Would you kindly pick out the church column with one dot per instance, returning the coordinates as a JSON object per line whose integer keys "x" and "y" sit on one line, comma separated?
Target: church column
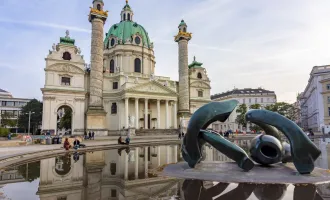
{"x": 126, "y": 166}
{"x": 126, "y": 112}
{"x": 175, "y": 154}
{"x": 137, "y": 163}
{"x": 167, "y": 154}
{"x": 136, "y": 113}
{"x": 121, "y": 63}
{"x": 146, "y": 161}
{"x": 175, "y": 115}
{"x": 166, "y": 115}
{"x": 158, "y": 155}
{"x": 158, "y": 113}
{"x": 145, "y": 113}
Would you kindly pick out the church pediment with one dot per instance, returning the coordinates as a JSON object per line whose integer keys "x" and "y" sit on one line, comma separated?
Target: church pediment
{"x": 200, "y": 84}
{"x": 152, "y": 87}
{"x": 65, "y": 68}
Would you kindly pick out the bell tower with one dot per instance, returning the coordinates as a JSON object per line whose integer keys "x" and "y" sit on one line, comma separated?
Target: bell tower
{"x": 96, "y": 115}
{"x": 182, "y": 38}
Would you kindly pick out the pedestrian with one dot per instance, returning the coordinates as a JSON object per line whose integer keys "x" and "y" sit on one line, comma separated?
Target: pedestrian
{"x": 128, "y": 140}
{"x": 66, "y": 144}
{"x": 93, "y": 135}
{"x": 85, "y": 135}
{"x": 89, "y": 135}
{"x": 76, "y": 144}
{"x": 179, "y": 137}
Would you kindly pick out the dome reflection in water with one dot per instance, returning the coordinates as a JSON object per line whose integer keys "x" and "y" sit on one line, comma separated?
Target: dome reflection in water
{"x": 133, "y": 173}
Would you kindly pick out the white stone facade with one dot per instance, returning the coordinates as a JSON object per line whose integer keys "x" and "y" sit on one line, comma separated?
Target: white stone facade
{"x": 246, "y": 96}
{"x": 132, "y": 96}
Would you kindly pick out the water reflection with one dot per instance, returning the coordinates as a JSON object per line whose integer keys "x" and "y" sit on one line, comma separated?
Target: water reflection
{"x": 131, "y": 173}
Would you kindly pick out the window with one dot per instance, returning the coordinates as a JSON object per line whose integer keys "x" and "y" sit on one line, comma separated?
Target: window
{"x": 128, "y": 16}
{"x": 9, "y": 103}
{"x": 184, "y": 29}
{"x": 66, "y": 56}
{"x": 137, "y": 65}
{"x": 98, "y": 7}
{"x": 243, "y": 101}
{"x": 115, "y": 85}
{"x": 65, "y": 81}
{"x": 113, "y": 169}
{"x": 112, "y": 66}
{"x": 328, "y": 100}
{"x": 249, "y": 100}
{"x": 124, "y": 18}
{"x": 262, "y": 100}
{"x": 200, "y": 93}
{"x": 329, "y": 111}
{"x": 112, "y": 42}
{"x": 256, "y": 100}
{"x": 113, "y": 193}
{"x": 137, "y": 40}
{"x": 328, "y": 86}
{"x": 114, "y": 108}
{"x": 199, "y": 75}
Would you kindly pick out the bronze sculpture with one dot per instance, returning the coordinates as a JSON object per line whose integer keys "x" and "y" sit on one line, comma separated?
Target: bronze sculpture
{"x": 266, "y": 149}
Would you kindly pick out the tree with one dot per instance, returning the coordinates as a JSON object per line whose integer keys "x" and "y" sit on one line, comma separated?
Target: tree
{"x": 285, "y": 109}
{"x": 34, "y": 106}
{"x": 30, "y": 171}
{"x": 7, "y": 121}
{"x": 255, "y": 106}
{"x": 66, "y": 120}
{"x": 240, "y": 119}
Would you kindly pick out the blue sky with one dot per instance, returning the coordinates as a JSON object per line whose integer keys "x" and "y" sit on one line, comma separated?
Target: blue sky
{"x": 243, "y": 44}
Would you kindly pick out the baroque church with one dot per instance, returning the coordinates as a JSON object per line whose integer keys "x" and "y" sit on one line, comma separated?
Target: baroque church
{"x": 119, "y": 90}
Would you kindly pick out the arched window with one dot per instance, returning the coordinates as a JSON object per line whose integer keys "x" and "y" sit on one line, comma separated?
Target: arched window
{"x": 137, "y": 40}
{"x": 128, "y": 16}
{"x": 113, "y": 167}
{"x": 199, "y": 75}
{"x": 66, "y": 56}
{"x": 184, "y": 29}
{"x": 112, "y": 66}
{"x": 98, "y": 7}
{"x": 112, "y": 42}
{"x": 137, "y": 65}
{"x": 124, "y": 18}
{"x": 114, "y": 108}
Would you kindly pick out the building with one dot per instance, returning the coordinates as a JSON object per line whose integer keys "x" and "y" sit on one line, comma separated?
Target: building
{"x": 119, "y": 89}
{"x": 10, "y": 106}
{"x": 315, "y": 100}
{"x": 246, "y": 96}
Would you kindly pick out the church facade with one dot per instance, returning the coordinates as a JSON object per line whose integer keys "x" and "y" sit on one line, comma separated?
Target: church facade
{"x": 119, "y": 89}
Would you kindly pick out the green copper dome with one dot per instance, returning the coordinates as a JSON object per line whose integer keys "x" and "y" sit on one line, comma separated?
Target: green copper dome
{"x": 126, "y": 30}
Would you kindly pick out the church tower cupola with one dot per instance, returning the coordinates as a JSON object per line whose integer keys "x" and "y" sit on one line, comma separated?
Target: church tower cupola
{"x": 183, "y": 26}
{"x": 127, "y": 13}
{"x": 98, "y": 5}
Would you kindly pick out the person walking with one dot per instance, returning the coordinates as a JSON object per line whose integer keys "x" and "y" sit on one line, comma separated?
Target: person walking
{"x": 89, "y": 135}
{"x": 93, "y": 135}
{"x": 85, "y": 135}
{"x": 128, "y": 140}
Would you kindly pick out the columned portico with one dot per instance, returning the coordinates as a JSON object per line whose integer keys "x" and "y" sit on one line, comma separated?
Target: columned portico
{"x": 158, "y": 113}
{"x": 137, "y": 113}
{"x": 146, "y": 113}
{"x": 166, "y": 115}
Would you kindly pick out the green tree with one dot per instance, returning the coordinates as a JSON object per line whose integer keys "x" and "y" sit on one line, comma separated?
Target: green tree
{"x": 66, "y": 120}
{"x": 240, "y": 119}
{"x": 254, "y": 126}
{"x": 285, "y": 109}
{"x": 7, "y": 120}
{"x": 30, "y": 171}
{"x": 34, "y": 106}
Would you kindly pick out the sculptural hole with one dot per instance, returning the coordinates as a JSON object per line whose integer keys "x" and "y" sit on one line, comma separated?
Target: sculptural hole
{"x": 269, "y": 151}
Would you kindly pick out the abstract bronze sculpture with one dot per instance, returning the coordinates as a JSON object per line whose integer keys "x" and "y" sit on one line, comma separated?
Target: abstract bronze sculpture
{"x": 265, "y": 149}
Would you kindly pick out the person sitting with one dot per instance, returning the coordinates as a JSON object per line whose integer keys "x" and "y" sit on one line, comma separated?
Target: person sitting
{"x": 120, "y": 140}
{"x": 66, "y": 144}
{"x": 76, "y": 144}
{"x": 128, "y": 140}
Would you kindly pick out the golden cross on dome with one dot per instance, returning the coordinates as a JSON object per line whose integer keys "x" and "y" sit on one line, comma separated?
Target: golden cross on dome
{"x": 126, "y": 1}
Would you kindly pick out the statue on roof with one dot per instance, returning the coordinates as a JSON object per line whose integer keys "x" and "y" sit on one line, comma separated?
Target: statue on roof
{"x": 67, "y": 34}
{"x": 54, "y": 47}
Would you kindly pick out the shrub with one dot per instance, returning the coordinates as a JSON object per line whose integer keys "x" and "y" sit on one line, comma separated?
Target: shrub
{"x": 4, "y": 132}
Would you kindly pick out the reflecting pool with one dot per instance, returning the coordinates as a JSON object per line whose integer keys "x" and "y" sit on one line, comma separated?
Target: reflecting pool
{"x": 134, "y": 173}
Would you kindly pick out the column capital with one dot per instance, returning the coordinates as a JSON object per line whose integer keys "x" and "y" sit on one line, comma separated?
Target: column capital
{"x": 136, "y": 99}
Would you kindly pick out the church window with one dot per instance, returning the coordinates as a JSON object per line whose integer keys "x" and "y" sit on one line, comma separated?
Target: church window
{"x": 184, "y": 29}
{"x": 137, "y": 65}
{"x": 112, "y": 42}
{"x": 113, "y": 193}
{"x": 114, "y": 108}
{"x": 66, "y": 56}
{"x": 328, "y": 86}
{"x": 199, "y": 75}
{"x": 124, "y": 17}
{"x": 98, "y": 7}
{"x": 128, "y": 16}
{"x": 328, "y": 100}
{"x": 113, "y": 169}
{"x": 137, "y": 40}
{"x": 200, "y": 93}
{"x": 112, "y": 66}
{"x": 115, "y": 85}
{"x": 65, "y": 81}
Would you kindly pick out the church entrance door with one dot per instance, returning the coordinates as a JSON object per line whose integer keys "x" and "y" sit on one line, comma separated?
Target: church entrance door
{"x": 149, "y": 121}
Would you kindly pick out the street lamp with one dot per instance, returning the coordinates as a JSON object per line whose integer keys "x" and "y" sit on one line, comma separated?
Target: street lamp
{"x": 29, "y": 120}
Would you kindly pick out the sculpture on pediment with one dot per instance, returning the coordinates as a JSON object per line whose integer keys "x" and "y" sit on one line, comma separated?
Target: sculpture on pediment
{"x": 79, "y": 51}
{"x": 131, "y": 120}
{"x": 166, "y": 83}
{"x": 152, "y": 77}
{"x": 136, "y": 80}
{"x": 126, "y": 79}
{"x": 54, "y": 47}
{"x": 117, "y": 69}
